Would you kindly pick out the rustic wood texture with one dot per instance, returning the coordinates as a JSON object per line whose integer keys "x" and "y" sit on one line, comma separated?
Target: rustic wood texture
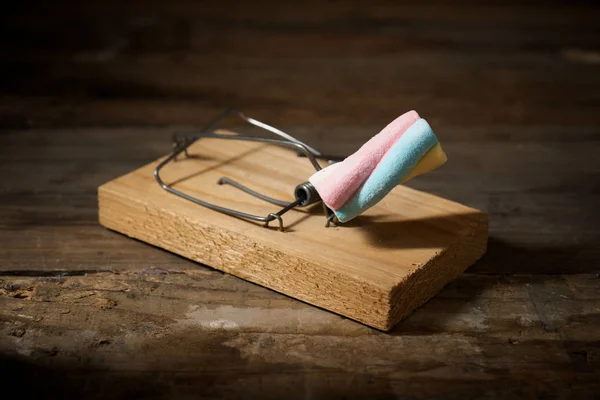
{"x": 375, "y": 269}
{"x": 92, "y": 90}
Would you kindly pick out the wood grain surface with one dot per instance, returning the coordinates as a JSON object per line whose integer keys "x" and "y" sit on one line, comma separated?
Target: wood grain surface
{"x": 92, "y": 90}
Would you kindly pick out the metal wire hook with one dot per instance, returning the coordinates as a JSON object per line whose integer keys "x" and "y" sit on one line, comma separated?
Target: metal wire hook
{"x": 305, "y": 193}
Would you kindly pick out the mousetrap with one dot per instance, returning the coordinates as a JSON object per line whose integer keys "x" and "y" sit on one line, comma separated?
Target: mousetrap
{"x": 242, "y": 205}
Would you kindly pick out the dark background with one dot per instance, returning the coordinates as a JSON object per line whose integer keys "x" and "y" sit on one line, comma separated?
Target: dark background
{"x": 90, "y": 90}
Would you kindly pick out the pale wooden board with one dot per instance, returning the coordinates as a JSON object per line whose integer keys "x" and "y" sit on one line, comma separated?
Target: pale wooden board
{"x": 376, "y": 269}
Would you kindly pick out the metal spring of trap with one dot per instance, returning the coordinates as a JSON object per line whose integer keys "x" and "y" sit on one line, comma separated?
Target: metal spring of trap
{"x": 305, "y": 193}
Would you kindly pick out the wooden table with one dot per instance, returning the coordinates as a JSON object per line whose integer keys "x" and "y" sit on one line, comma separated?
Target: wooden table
{"x": 91, "y": 91}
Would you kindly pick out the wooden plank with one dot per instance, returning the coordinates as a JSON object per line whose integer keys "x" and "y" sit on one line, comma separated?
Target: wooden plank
{"x": 113, "y": 72}
{"x": 376, "y": 269}
{"x": 480, "y": 334}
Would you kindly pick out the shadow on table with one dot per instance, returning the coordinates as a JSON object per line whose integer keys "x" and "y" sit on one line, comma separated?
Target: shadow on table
{"x": 461, "y": 304}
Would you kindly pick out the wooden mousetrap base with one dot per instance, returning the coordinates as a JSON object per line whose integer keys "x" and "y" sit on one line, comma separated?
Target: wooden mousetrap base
{"x": 375, "y": 269}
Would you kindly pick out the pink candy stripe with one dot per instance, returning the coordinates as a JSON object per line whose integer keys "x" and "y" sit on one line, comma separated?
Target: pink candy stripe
{"x": 338, "y": 182}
